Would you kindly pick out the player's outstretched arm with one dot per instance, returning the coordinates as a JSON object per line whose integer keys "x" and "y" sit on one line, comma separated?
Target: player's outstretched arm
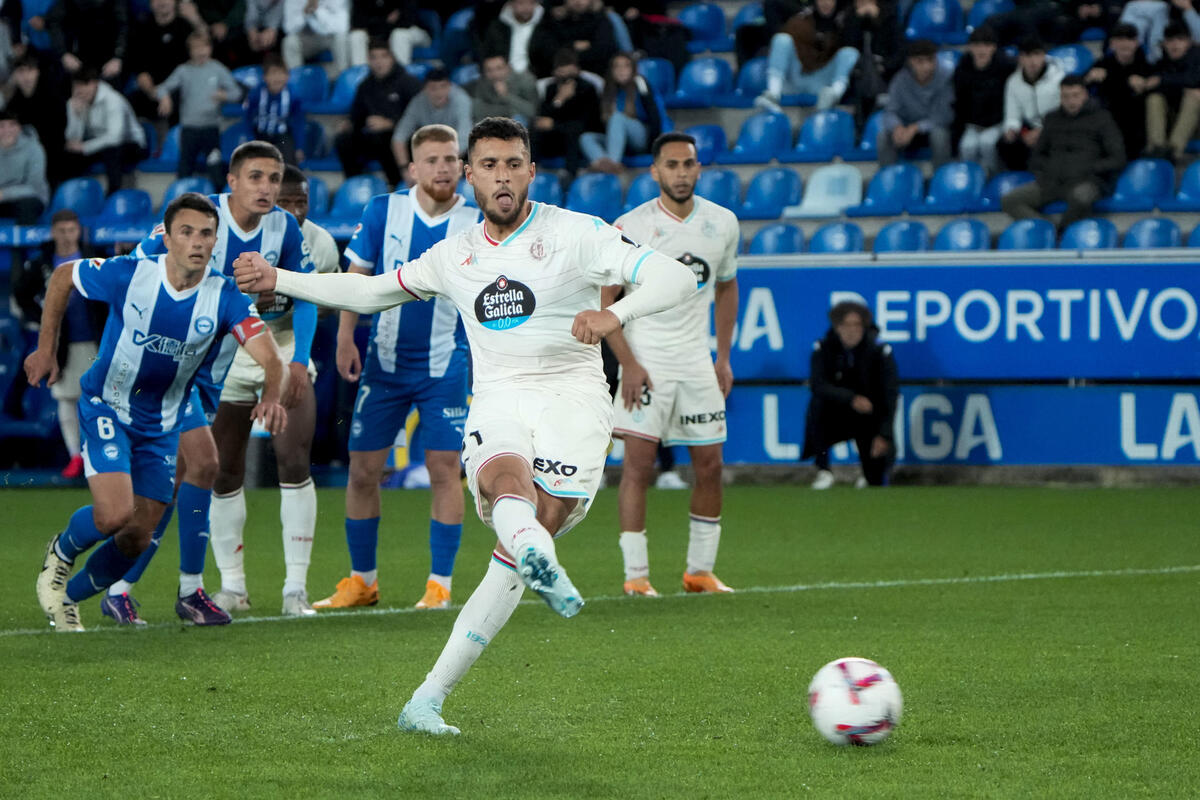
{"x": 366, "y": 294}
{"x": 43, "y": 362}
{"x": 265, "y": 352}
{"x": 662, "y": 283}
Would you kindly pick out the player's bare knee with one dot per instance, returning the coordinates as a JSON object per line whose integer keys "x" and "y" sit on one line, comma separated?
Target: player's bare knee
{"x": 111, "y": 518}
{"x": 293, "y": 471}
{"x": 228, "y": 481}
{"x": 707, "y": 469}
{"x": 132, "y": 541}
{"x": 363, "y": 478}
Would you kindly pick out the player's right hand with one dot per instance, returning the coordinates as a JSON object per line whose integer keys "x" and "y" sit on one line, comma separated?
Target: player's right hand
{"x": 273, "y": 417}
{"x": 41, "y": 363}
{"x": 349, "y": 362}
{"x": 253, "y": 273}
{"x": 633, "y": 378}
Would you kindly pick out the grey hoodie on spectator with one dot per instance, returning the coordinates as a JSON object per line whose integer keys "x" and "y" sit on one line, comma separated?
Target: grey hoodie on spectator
{"x": 930, "y": 106}
{"x": 197, "y": 85}
{"x": 23, "y": 169}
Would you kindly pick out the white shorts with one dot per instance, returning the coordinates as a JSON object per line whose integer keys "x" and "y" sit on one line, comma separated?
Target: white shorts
{"x": 563, "y": 437}
{"x": 80, "y": 356}
{"x": 690, "y": 412}
{"x": 245, "y": 380}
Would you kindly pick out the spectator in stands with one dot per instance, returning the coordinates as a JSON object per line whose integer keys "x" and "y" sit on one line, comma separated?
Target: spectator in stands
{"x": 1030, "y": 93}
{"x": 979, "y": 99}
{"x": 91, "y": 33}
{"x": 202, "y": 84}
{"x": 1174, "y": 94}
{"x": 101, "y": 129}
{"x": 1120, "y": 79}
{"x": 263, "y": 24}
{"x": 157, "y": 53}
{"x": 631, "y": 118}
{"x": 855, "y": 389}
{"x": 574, "y": 24}
{"x": 501, "y": 92}
{"x": 1083, "y": 14}
{"x": 655, "y": 34}
{"x": 440, "y": 102}
{"x": 226, "y": 24}
{"x": 873, "y": 29}
{"x": 24, "y": 191}
{"x": 919, "y": 109}
{"x": 1076, "y": 158}
{"x": 511, "y": 32}
{"x": 1151, "y": 18}
{"x": 313, "y": 26}
{"x": 274, "y": 114}
{"x": 393, "y": 20}
{"x": 808, "y": 56}
{"x": 379, "y": 102}
{"x": 36, "y": 95}
{"x": 570, "y": 108}
{"x": 83, "y": 323}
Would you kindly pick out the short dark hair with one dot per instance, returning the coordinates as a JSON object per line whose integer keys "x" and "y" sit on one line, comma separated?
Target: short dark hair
{"x": 273, "y": 61}
{"x": 984, "y": 34}
{"x": 293, "y": 176}
{"x": 497, "y": 128}
{"x": 838, "y": 313}
{"x": 1072, "y": 80}
{"x": 1123, "y": 30}
{"x": 1177, "y": 30}
{"x": 85, "y": 75}
{"x": 63, "y": 215}
{"x": 437, "y": 75}
{"x": 192, "y": 201}
{"x": 377, "y": 43}
{"x": 29, "y": 61}
{"x": 253, "y": 149}
{"x": 1031, "y": 44}
{"x": 664, "y": 139}
{"x": 565, "y": 57}
{"x": 8, "y": 116}
{"x": 919, "y": 48}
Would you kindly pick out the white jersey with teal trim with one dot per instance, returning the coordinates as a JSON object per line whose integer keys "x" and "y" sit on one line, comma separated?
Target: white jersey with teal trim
{"x": 518, "y": 298}
{"x": 675, "y": 343}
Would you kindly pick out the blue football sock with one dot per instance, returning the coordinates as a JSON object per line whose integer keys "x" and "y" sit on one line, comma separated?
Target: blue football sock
{"x": 103, "y": 569}
{"x": 443, "y": 546}
{"x": 135, "y": 572}
{"x": 80, "y": 535}
{"x": 362, "y": 537}
{"x": 193, "y": 527}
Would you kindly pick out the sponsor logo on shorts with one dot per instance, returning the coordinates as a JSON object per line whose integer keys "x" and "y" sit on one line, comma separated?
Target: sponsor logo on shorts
{"x": 111, "y": 451}
{"x": 549, "y": 466}
{"x": 454, "y": 413}
{"x": 504, "y": 304}
{"x": 356, "y": 428}
{"x": 702, "y": 418}
{"x": 169, "y": 460}
{"x": 204, "y": 325}
{"x": 699, "y": 266}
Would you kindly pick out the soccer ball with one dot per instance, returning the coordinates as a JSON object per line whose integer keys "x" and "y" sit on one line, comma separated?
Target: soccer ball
{"x": 854, "y": 701}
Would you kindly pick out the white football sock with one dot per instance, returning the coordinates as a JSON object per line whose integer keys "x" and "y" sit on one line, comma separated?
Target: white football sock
{"x": 226, "y": 521}
{"x": 442, "y": 580}
{"x": 68, "y": 424}
{"x": 515, "y": 521}
{"x": 119, "y": 588}
{"x": 704, "y": 536}
{"x": 298, "y": 514}
{"x": 481, "y": 618}
{"x": 637, "y": 559}
{"x": 369, "y": 577}
{"x": 189, "y": 583}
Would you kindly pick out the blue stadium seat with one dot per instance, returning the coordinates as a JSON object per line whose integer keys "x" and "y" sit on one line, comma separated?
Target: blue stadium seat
{"x": 1153, "y": 232}
{"x": 1075, "y": 59}
{"x": 998, "y": 186}
{"x": 866, "y": 149}
{"x": 195, "y": 183}
{"x": 467, "y": 191}
{"x": 831, "y": 190}
{"x": 902, "y": 236}
{"x": 659, "y": 73}
{"x": 706, "y": 21}
{"x": 954, "y": 189}
{"x": 168, "y": 159}
{"x": 428, "y": 19}
{"x": 352, "y": 196}
{"x": 722, "y": 186}
{"x": 318, "y": 196}
{"x": 1089, "y": 234}
{"x": 769, "y": 192}
{"x": 963, "y": 234}
{"x": 939, "y": 20}
{"x": 1188, "y": 196}
{"x": 546, "y": 189}
{"x": 763, "y": 137}
{"x": 982, "y": 9}
{"x": 893, "y": 189}
{"x": 777, "y": 239}
{"x": 236, "y": 134}
{"x": 456, "y": 35}
{"x": 315, "y": 147}
{"x": 84, "y": 196}
{"x": 127, "y": 205}
{"x": 837, "y": 237}
{"x": 419, "y": 69}
{"x": 748, "y": 14}
{"x": 710, "y": 141}
{"x": 464, "y": 73}
{"x": 1194, "y": 237}
{"x": 597, "y": 194}
{"x": 1027, "y": 234}
{"x": 823, "y": 135}
{"x": 1096, "y": 34}
{"x": 702, "y": 82}
{"x": 310, "y": 83}
{"x": 39, "y": 416}
{"x": 249, "y": 77}
{"x": 643, "y": 188}
{"x": 751, "y": 82}
{"x": 948, "y": 59}
{"x": 1142, "y": 184}
{"x": 341, "y": 96}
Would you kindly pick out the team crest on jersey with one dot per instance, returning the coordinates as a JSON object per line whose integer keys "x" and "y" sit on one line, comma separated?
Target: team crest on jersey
{"x": 537, "y": 250}
{"x": 204, "y": 325}
{"x": 699, "y": 266}
{"x": 504, "y": 304}
{"x": 708, "y": 229}
{"x": 272, "y": 257}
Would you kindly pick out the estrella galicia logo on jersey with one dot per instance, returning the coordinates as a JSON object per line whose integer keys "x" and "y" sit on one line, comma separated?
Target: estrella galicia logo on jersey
{"x": 164, "y": 345}
{"x": 111, "y": 451}
{"x": 204, "y": 325}
{"x": 698, "y": 266}
{"x": 504, "y": 304}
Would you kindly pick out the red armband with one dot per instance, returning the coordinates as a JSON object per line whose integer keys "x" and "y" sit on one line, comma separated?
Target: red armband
{"x": 248, "y": 328}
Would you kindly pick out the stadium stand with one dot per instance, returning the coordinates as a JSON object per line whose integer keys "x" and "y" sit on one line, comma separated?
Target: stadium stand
{"x": 832, "y": 190}
{"x": 1089, "y": 234}
{"x": 893, "y": 189}
{"x": 777, "y": 239}
{"x": 962, "y": 234}
{"x": 769, "y": 192}
{"x": 1153, "y": 232}
{"x": 1027, "y": 234}
{"x": 837, "y": 237}
{"x": 902, "y": 236}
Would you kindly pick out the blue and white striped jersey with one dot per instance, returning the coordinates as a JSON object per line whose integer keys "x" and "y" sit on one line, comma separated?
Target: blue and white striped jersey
{"x": 156, "y": 339}
{"x": 417, "y": 339}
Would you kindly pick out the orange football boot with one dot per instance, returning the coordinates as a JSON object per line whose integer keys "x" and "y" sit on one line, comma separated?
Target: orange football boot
{"x": 436, "y": 596}
{"x": 351, "y": 592}
{"x": 705, "y": 582}
{"x": 640, "y": 587}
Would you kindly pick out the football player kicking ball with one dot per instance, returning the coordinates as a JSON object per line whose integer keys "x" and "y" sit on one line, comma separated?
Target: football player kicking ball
{"x": 527, "y": 285}
{"x": 417, "y": 356}
{"x": 168, "y": 315}
{"x": 671, "y": 392}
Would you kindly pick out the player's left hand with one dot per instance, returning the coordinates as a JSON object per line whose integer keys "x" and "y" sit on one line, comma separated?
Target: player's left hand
{"x": 41, "y": 363}
{"x": 297, "y": 379}
{"x": 592, "y": 326}
{"x": 724, "y": 376}
{"x": 273, "y": 416}
{"x": 253, "y": 273}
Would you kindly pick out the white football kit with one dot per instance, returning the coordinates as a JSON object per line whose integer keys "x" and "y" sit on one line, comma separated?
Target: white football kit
{"x": 686, "y": 406}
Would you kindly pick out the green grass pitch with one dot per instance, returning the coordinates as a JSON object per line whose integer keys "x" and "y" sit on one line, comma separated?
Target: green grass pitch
{"x": 1046, "y": 641}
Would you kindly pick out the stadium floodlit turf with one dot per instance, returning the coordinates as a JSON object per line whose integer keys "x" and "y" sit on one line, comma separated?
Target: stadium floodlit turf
{"x": 1046, "y": 642}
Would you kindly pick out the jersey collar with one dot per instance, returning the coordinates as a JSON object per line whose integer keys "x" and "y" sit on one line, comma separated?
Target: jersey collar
{"x": 663, "y": 208}
{"x": 431, "y": 222}
{"x": 233, "y": 226}
{"x": 172, "y": 292}
{"x": 509, "y": 239}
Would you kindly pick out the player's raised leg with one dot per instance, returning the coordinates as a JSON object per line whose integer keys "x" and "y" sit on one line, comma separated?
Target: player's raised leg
{"x": 231, "y": 432}
{"x": 637, "y": 475}
{"x": 704, "y": 521}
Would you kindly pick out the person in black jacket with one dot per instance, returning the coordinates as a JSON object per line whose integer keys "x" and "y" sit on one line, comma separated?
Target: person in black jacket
{"x": 1173, "y": 93}
{"x": 979, "y": 99}
{"x": 855, "y": 388}
{"x": 631, "y": 118}
{"x": 576, "y": 25}
{"x": 393, "y": 20}
{"x": 570, "y": 108}
{"x": 1113, "y": 78}
{"x": 379, "y": 102}
{"x": 91, "y": 33}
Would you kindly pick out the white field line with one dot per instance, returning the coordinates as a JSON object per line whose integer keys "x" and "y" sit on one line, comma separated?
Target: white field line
{"x": 1009, "y": 577}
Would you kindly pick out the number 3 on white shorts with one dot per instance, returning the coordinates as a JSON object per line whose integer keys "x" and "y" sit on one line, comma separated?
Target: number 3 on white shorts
{"x": 104, "y": 427}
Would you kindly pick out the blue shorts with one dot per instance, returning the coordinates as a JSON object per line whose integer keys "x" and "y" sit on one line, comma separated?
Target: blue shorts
{"x": 384, "y": 401}
{"x": 111, "y": 446}
{"x": 199, "y": 411}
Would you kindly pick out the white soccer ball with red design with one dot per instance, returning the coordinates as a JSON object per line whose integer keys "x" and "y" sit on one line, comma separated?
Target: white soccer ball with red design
{"x": 854, "y": 701}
